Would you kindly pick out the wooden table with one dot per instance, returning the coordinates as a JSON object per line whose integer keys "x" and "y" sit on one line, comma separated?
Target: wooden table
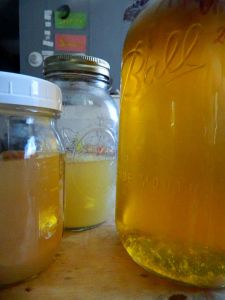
{"x": 92, "y": 265}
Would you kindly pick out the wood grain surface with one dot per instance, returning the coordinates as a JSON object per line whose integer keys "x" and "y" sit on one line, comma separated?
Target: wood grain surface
{"x": 93, "y": 265}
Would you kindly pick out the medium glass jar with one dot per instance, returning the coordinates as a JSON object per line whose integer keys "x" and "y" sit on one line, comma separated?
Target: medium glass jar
{"x": 31, "y": 176}
{"x": 171, "y": 166}
{"x": 88, "y": 126}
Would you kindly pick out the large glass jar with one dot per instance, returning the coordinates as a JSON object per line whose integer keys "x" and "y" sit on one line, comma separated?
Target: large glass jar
{"x": 88, "y": 126}
{"x": 171, "y": 166}
{"x": 31, "y": 176}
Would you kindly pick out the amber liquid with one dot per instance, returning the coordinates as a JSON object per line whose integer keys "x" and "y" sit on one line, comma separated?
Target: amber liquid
{"x": 31, "y": 220}
{"x": 171, "y": 169}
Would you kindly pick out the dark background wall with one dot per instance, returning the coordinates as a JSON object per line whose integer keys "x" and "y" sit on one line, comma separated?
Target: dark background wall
{"x": 105, "y": 31}
{"x": 9, "y": 35}
{"x": 22, "y": 27}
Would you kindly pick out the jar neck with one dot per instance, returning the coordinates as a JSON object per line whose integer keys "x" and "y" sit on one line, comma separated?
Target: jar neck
{"x": 204, "y": 7}
{"x": 20, "y": 110}
{"x": 81, "y": 80}
{"x": 201, "y": 3}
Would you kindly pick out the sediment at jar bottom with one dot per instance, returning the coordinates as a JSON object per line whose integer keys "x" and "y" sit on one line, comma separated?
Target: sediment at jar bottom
{"x": 190, "y": 264}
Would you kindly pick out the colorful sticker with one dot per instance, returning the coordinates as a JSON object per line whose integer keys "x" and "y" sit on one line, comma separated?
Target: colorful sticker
{"x": 75, "y": 20}
{"x": 71, "y": 42}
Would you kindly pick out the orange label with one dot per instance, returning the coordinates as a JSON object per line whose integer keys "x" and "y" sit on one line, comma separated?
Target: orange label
{"x": 71, "y": 42}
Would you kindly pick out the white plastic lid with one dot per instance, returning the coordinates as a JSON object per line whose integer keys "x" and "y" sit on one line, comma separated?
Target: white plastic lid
{"x": 17, "y": 89}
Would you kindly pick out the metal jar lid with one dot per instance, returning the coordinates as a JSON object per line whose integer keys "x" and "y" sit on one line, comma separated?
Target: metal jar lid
{"x": 76, "y": 63}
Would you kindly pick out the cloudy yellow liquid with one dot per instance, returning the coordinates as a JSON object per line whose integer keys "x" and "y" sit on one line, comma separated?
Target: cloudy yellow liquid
{"x": 31, "y": 221}
{"x": 171, "y": 167}
{"x": 89, "y": 192}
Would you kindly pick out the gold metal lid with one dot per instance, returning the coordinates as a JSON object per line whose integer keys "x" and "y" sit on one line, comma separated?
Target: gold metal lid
{"x": 76, "y": 63}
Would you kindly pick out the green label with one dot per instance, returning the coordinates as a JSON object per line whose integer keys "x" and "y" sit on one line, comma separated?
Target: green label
{"x": 75, "y": 20}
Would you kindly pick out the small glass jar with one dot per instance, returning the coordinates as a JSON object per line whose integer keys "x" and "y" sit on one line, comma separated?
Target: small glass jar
{"x": 88, "y": 126}
{"x": 31, "y": 176}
